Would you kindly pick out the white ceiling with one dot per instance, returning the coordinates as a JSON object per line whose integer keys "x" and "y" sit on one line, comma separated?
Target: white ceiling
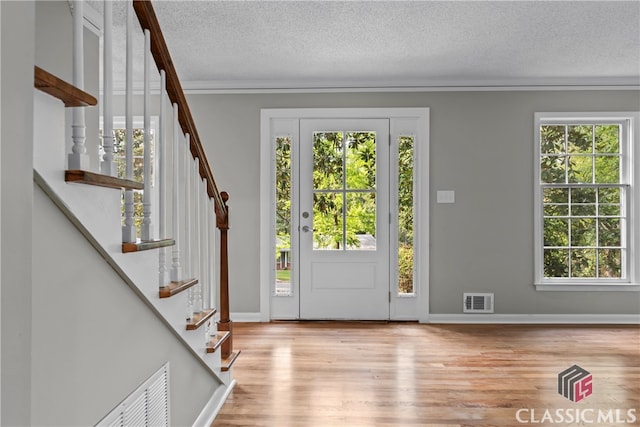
{"x": 400, "y": 44}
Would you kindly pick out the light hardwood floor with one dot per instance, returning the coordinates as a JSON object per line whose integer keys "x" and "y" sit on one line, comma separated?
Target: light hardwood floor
{"x": 406, "y": 374}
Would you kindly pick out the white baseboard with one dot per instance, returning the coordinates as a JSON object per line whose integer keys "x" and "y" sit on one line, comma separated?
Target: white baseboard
{"x": 244, "y": 317}
{"x": 587, "y": 319}
{"x": 213, "y": 406}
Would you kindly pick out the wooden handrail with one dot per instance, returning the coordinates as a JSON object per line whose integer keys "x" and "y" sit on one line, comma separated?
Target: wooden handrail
{"x": 70, "y": 95}
{"x": 148, "y": 20}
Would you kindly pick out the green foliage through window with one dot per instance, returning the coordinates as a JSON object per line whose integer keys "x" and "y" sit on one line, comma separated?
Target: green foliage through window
{"x": 344, "y": 195}
{"x": 138, "y": 167}
{"x": 283, "y": 216}
{"x": 405, "y": 214}
{"x": 582, "y": 197}
{"x": 344, "y": 200}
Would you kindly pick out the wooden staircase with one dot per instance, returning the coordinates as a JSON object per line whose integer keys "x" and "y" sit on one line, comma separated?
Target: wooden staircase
{"x": 216, "y": 350}
{"x": 74, "y": 97}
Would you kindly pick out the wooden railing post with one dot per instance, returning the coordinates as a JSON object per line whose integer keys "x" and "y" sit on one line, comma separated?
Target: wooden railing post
{"x": 225, "y": 323}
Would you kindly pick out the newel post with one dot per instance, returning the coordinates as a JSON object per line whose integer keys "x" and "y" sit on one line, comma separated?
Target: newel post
{"x": 224, "y": 324}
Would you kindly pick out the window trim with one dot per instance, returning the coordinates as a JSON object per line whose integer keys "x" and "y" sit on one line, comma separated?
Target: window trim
{"x": 632, "y": 165}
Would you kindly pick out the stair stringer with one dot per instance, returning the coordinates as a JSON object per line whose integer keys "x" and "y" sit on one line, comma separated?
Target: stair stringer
{"x": 95, "y": 211}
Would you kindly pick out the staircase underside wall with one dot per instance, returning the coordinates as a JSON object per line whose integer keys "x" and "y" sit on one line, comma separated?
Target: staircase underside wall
{"x": 94, "y": 339}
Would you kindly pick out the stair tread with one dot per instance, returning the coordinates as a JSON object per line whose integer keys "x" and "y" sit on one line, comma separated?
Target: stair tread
{"x": 200, "y": 318}
{"x": 228, "y": 362}
{"x": 216, "y": 342}
{"x": 147, "y": 245}
{"x": 92, "y": 178}
{"x": 70, "y": 95}
{"x": 174, "y": 288}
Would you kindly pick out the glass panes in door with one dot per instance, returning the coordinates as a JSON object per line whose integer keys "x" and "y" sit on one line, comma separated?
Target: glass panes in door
{"x": 406, "y": 159}
{"x": 344, "y": 190}
{"x": 284, "y": 254}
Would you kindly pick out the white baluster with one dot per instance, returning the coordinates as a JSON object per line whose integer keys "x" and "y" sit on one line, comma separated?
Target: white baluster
{"x": 204, "y": 253}
{"x": 108, "y": 167}
{"x": 129, "y": 228}
{"x": 207, "y": 245}
{"x": 195, "y": 186}
{"x": 213, "y": 280}
{"x": 187, "y": 208}
{"x": 207, "y": 332}
{"x": 213, "y": 331}
{"x": 176, "y": 268}
{"x": 161, "y": 151}
{"x": 146, "y": 233}
{"x": 189, "y": 310}
{"x": 187, "y": 234}
{"x": 197, "y": 298}
{"x": 78, "y": 158}
{"x": 192, "y": 219}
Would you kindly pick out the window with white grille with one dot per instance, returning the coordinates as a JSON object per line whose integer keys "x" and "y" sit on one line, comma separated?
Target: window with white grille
{"x": 584, "y": 196}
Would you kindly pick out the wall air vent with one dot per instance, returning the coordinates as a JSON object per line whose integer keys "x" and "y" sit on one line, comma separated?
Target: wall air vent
{"x": 148, "y": 405}
{"x": 477, "y": 303}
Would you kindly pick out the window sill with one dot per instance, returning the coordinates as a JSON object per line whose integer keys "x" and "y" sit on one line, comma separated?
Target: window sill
{"x": 614, "y": 287}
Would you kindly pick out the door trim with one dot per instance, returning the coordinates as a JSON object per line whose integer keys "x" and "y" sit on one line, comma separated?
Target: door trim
{"x": 399, "y": 118}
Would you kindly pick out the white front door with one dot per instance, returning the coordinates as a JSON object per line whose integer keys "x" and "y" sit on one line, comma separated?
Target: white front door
{"x": 344, "y": 219}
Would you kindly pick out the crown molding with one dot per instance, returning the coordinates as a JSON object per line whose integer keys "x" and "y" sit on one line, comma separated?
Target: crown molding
{"x": 282, "y": 86}
{"x": 265, "y": 87}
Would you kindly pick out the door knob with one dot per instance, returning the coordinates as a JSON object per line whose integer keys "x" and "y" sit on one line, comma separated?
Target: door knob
{"x": 306, "y": 228}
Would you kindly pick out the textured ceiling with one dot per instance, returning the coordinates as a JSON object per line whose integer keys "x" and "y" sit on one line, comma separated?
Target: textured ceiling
{"x": 354, "y": 44}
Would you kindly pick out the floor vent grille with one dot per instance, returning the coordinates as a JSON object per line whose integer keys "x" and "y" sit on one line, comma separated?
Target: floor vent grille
{"x": 148, "y": 405}
{"x": 477, "y": 303}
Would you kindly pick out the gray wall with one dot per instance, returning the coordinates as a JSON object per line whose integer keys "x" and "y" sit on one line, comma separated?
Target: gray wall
{"x": 94, "y": 340}
{"x": 16, "y": 193}
{"x": 481, "y": 147}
